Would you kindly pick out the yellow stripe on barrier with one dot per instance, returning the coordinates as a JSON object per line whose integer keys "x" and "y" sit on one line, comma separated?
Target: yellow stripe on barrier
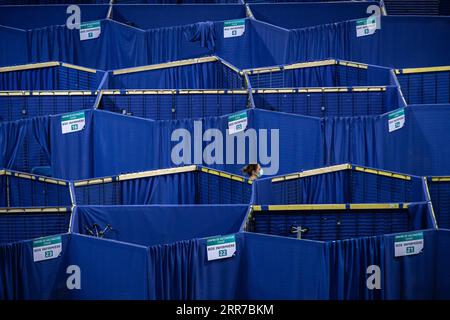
{"x": 111, "y": 92}
{"x": 33, "y": 210}
{"x": 383, "y": 173}
{"x": 313, "y": 172}
{"x": 202, "y": 91}
{"x": 306, "y": 207}
{"x": 274, "y": 91}
{"x": 153, "y": 173}
{"x": 30, "y": 66}
{"x": 25, "y": 176}
{"x": 422, "y": 70}
{"x": 353, "y": 64}
{"x": 62, "y": 93}
{"x": 225, "y": 175}
{"x": 376, "y": 206}
{"x": 14, "y": 93}
{"x": 440, "y": 179}
{"x": 368, "y": 89}
{"x": 256, "y": 208}
{"x": 2, "y": 172}
{"x": 312, "y": 64}
{"x": 92, "y": 182}
{"x": 165, "y": 65}
{"x": 72, "y": 66}
{"x": 262, "y": 70}
{"x": 149, "y": 92}
{"x": 52, "y": 181}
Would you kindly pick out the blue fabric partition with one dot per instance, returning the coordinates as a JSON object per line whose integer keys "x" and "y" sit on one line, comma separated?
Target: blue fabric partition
{"x": 180, "y": 271}
{"x": 329, "y": 103}
{"x": 57, "y": 43}
{"x": 50, "y": 78}
{"x": 261, "y": 45}
{"x": 138, "y": 47}
{"x": 333, "y": 75}
{"x": 281, "y": 268}
{"x": 72, "y": 154}
{"x": 207, "y": 75}
{"x": 25, "y": 144}
{"x": 421, "y": 147}
{"x": 152, "y": 225}
{"x": 38, "y": 16}
{"x": 442, "y": 274}
{"x": 440, "y": 198}
{"x": 304, "y": 132}
{"x": 108, "y": 270}
{"x": 160, "y": 16}
{"x": 394, "y": 45}
{"x": 332, "y": 225}
{"x": 300, "y": 15}
{"x": 13, "y": 49}
{"x": 175, "y": 105}
{"x": 347, "y": 186}
{"x": 14, "y": 106}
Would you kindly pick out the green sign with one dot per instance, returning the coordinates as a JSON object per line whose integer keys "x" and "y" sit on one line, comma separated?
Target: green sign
{"x": 220, "y": 247}
{"x": 233, "y": 28}
{"x": 90, "y": 30}
{"x": 396, "y": 119}
{"x": 73, "y": 122}
{"x": 408, "y": 244}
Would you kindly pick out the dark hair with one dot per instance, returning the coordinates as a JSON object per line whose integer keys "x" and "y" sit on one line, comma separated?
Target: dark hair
{"x": 248, "y": 169}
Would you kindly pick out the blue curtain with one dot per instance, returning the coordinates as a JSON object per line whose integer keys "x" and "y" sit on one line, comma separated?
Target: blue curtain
{"x": 392, "y": 46}
{"x": 72, "y": 155}
{"x": 167, "y": 189}
{"x": 152, "y": 225}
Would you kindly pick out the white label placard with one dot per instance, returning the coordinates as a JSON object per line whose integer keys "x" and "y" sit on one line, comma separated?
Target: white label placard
{"x": 366, "y": 27}
{"x": 408, "y": 244}
{"x": 73, "y": 122}
{"x": 396, "y": 120}
{"x": 237, "y": 122}
{"x": 47, "y": 248}
{"x": 233, "y": 28}
{"x": 90, "y": 30}
{"x": 221, "y": 247}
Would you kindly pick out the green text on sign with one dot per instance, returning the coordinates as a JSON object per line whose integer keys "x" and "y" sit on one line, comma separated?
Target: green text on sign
{"x": 221, "y": 247}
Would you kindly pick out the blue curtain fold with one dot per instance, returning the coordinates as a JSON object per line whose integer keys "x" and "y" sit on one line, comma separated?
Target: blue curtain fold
{"x": 11, "y": 137}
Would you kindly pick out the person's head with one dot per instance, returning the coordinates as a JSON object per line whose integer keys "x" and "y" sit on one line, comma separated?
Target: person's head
{"x": 253, "y": 171}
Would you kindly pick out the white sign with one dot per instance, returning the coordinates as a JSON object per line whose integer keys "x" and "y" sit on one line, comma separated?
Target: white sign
{"x": 90, "y": 30}
{"x": 221, "y": 247}
{"x": 73, "y": 122}
{"x": 233, "y": 28}
{"x": 366, "y": 27}
{"x": 408, "y": 244}
{"x": 396, "y": 120}
{"x": 237, "y": 122}
{"x": 47, "y": 248}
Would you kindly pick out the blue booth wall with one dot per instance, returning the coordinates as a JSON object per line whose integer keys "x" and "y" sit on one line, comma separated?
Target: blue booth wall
{"x": 152, "y": 225}
{"x": 307, "y": 14}
{"x": 168, "y": 15}
{"x": 108, "y": 269}
{"x": 294, "y": 269}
